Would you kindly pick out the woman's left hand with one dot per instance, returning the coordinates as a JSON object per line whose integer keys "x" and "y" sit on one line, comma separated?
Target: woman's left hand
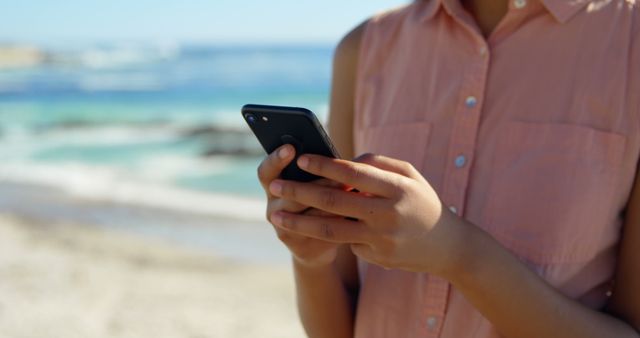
{"x": 398, "y": 219}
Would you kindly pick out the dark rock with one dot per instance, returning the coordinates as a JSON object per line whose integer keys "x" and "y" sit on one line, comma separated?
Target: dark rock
{"x": 213, "y": 131}
{"x": 240, "y": 152}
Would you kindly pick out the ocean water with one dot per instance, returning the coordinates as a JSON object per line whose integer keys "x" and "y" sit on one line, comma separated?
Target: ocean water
{"x": 109, "y": 121}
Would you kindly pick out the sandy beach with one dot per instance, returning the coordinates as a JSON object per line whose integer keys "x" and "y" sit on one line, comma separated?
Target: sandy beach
{"x": 62, "y": 279}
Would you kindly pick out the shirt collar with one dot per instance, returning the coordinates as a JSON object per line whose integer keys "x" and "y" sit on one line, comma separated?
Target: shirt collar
{"x": 561, "y": 10}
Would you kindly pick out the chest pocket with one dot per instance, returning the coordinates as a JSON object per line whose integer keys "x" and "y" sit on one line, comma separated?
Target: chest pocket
{"x": 550, "y": 196}
{"x": 405, "y": 141}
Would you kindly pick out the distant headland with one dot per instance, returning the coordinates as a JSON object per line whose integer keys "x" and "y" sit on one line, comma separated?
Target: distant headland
{"x": 20, "y": 56}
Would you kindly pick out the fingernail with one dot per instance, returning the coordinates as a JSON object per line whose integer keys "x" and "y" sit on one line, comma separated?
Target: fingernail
{"x": 276, "y": 218}
{"x": 275, "y": 187}
{"x": 284, "y": 153}
{"x": 303, "y": 162}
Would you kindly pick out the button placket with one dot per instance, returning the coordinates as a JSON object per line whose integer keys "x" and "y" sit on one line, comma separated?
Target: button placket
{"x": 462, "y": 143}
{"x": 463, "y": 138}
{"x": 434, "y": 305}
{"x": 461, "y": 147}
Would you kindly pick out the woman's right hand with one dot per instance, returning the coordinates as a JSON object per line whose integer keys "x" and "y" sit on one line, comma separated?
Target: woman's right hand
{"x": 305, "y": 250}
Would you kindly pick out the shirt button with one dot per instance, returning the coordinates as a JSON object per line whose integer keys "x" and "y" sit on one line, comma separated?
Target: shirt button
{"x": 460, "y": 161}
{"x": 453, "y": 209}
{"x": 471, "y": 101}
{"x": 519, "y": 3}
{"x": 483, "y": 51}
{"x": 432, "y": 322}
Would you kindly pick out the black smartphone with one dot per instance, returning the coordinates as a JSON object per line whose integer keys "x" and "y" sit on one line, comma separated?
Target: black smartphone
{"x": 275, "y": 126}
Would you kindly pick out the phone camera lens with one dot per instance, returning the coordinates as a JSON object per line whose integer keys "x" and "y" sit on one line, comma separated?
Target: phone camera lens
{"x": 251, "y": 118}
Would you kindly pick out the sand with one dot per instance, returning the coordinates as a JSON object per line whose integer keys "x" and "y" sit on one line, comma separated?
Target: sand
{"x": 76, "y": 280}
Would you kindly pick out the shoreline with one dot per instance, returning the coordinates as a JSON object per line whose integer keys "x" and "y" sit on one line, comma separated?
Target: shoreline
{"x": 250, "y": 239}
{"x": 53, "y": 179}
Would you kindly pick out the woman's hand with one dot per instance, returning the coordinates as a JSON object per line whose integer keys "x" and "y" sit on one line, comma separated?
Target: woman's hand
{"x": 401, "y": 222}
{"x": 306, "y": 250}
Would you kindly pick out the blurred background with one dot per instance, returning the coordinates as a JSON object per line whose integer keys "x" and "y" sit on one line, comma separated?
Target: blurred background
{"x": 129, "y": 205}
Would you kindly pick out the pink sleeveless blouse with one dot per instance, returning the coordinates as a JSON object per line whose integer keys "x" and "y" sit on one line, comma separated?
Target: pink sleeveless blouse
{"x": 532, "y": 134}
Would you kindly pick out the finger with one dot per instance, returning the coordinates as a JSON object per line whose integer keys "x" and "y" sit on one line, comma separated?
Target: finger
{"x": 276, "y": 204}
{"x": 271, "y": 167}
{"x": 332, "y": 200}
{"x": 284, "y": 236}
{"x": 364, "y": 177}
{"x": 316, "y": 212}
{"x": 389, "y": 164}
{"x": 330, "y": 229}
{"x": 330, "y": 183}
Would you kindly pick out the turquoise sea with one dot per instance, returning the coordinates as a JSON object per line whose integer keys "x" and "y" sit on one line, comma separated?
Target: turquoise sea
{"x": 93, "y": 116}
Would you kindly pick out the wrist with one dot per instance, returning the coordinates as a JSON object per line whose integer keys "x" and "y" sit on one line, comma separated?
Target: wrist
{"x": 463, "y": 256}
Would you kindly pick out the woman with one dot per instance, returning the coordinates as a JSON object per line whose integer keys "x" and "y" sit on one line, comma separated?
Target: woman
{"x": 505, "y": 204}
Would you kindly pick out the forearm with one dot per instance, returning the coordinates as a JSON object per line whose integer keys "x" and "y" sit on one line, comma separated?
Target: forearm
{"x": 520, "y": 303}
{"x": 324, "y": 303}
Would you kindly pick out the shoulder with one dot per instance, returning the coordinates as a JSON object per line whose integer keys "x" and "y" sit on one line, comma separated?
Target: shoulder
{"x": 393, "y": 16}
{"x": 349, "y": 45}
{"x": 386, "y": 21}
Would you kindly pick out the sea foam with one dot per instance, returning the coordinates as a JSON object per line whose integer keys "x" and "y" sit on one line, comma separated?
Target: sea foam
{"x": 100, "y": 184}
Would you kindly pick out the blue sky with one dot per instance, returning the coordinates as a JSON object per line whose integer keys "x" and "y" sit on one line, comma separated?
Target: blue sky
{"x": 220, "y": 21}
